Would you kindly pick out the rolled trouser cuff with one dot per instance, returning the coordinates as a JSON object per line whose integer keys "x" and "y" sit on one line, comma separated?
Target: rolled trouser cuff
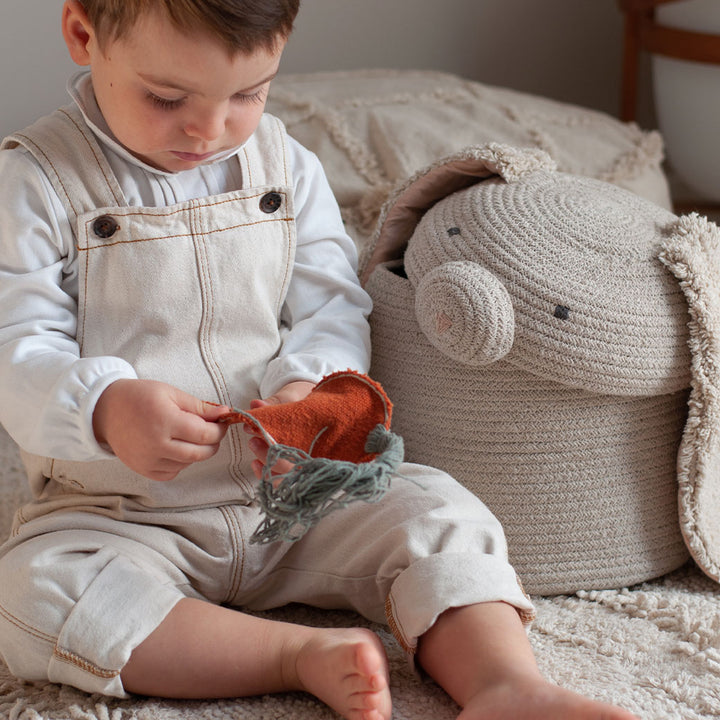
{"x": 115, "y": 613}
{"x": 432, "y": 585}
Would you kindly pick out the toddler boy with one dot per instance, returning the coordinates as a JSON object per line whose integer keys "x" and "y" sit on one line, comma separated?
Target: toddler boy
{"x": 168, "y": 252}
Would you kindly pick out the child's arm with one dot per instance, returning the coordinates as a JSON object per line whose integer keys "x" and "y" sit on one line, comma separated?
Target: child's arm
{"x": 156, "y": 429}
{"x": 47, "y": 391}
{"x": 324, "y": 317}
{"x": 54, "y": 402}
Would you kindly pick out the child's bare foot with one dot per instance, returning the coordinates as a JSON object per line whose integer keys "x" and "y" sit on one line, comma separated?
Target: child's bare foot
{"x": 538, "y": 700}
{"x": 347, "y": 669}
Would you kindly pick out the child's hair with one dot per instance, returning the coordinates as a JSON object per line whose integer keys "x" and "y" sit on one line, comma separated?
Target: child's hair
{"x": 241, "y": 25}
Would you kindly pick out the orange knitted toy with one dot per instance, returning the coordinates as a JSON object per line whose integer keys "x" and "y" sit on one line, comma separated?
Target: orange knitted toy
{"x": 333, "y": 421}
{"x": 340, "y": 447}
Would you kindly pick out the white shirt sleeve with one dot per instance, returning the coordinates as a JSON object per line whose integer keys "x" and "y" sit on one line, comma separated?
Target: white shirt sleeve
{"x": 324, "y": 319}
{"x": 47, "y": 392}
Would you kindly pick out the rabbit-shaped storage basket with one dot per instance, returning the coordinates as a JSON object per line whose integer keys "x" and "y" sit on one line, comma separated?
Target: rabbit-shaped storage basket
{"x": 540, "y": 335}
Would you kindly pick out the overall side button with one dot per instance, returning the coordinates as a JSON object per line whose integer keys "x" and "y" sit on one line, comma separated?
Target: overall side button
{"x": 270, "y": 202}
{"x": 105, "y": 226}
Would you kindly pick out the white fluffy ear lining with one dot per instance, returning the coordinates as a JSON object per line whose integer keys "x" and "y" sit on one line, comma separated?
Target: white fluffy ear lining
{"x": 411, "y": 200}
{"x": 513, "y": 163}
{"x": 692, "y": 254}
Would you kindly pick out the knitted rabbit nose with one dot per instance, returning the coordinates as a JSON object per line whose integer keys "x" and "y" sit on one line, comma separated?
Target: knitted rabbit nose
{"x": 465, "y": 312}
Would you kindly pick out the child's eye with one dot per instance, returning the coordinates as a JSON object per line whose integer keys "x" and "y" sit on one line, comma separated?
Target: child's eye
{"x": 164, "y": 103}
{"x": 251, "y": 98}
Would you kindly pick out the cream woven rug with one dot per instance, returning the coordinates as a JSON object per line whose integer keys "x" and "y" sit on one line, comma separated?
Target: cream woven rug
{"x": 654, "y": 649}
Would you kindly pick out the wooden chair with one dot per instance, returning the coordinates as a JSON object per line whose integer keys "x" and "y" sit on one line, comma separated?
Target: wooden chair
{"x": 643, "y": 33}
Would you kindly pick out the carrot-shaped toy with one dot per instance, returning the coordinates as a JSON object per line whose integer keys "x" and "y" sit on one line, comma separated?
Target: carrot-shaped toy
{"x": 339, "y": 442}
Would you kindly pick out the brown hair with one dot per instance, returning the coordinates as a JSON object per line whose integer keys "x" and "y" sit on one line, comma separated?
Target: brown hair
{"x": 241, "y": 25}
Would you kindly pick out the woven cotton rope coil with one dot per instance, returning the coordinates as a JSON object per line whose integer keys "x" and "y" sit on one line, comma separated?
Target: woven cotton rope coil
{"x": 570, "y": 435}
{"x": 583, "y": 484}
{"x": 560, "y": 240}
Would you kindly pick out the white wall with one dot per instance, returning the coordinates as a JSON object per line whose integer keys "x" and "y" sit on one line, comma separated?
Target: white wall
{"x": 34, "y": 64}
{"x": 566, "y": 49}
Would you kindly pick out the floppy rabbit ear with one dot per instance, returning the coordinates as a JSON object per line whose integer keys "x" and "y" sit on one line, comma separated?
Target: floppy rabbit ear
{"x": 692, "y": 254}
{"x": 413, "y": 198}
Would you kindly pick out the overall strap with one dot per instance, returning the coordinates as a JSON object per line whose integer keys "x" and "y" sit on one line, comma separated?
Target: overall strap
{"x": 72, "y": 160}
{"x": 264, "y": 158}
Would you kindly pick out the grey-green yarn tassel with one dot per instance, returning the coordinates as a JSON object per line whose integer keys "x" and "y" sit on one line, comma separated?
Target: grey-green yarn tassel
{"x": 315, "y": 487}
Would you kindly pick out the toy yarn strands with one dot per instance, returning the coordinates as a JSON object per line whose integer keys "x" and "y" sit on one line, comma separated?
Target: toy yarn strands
{"x": 339, "y": 442}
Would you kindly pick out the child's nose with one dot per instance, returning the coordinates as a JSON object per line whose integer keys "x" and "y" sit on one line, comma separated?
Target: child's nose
{"x": 208, "y": 125}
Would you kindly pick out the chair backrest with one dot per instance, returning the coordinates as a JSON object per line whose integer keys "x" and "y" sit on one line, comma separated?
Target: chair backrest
{"x": 644, "y": 34}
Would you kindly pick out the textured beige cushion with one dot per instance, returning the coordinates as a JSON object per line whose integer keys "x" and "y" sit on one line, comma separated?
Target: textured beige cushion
{"x": 374, "y": 128}
{"x": 536, "y": 347}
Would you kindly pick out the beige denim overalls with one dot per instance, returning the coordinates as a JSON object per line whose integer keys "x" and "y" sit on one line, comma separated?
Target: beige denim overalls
{"x": 189, "y": 294}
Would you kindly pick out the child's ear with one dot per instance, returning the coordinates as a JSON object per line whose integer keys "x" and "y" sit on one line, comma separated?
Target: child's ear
{"x": 77, "y": 31}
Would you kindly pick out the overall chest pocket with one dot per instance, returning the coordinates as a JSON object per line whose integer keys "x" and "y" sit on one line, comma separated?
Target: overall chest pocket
{"x": 189, "y": 294}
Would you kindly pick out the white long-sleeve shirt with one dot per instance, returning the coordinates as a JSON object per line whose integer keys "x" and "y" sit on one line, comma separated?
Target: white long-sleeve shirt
{"x": 47, "y": 391}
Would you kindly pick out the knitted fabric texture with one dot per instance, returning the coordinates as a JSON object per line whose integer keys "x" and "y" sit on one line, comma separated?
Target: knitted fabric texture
{"x": 537, "y": 349}
{"x": 339, "y": 443}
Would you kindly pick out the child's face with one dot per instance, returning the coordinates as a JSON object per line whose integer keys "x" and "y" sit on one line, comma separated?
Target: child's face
{"x": 174, "y": 100}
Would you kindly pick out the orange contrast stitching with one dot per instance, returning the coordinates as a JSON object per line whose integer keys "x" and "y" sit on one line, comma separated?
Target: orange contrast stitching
{"x": 238, "y": 552}
{"x": 395, "y": 627}
{"x": 526, "y": 616}
{"x": 18, "y": 623}
{"x": 283, "y": 139}
{"x": 86, "y": 665}
{"x": 248, "y": 168}
{"x": 180, "y": 235}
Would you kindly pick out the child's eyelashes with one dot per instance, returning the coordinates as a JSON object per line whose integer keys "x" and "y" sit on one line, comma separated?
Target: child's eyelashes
{"x": 251, "y": 98}
{"x": 173, "y": 104}
{"x": 164, "y": 103}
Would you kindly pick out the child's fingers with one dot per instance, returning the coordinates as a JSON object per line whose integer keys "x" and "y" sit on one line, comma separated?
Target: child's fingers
{"x": 257, "y": 468}
{"x": 194, "y": 429}
{"x": 212, "y": 411}
{"x": 167, "y": 468}
{"x": 252, "y": 429}
{"x": 185, "y": 453}
{"x": 260, "y": 449}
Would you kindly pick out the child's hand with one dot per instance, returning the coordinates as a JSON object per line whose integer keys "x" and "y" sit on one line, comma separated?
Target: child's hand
{"x": 156, "y": 429}
{"x": 292, "y": 392}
